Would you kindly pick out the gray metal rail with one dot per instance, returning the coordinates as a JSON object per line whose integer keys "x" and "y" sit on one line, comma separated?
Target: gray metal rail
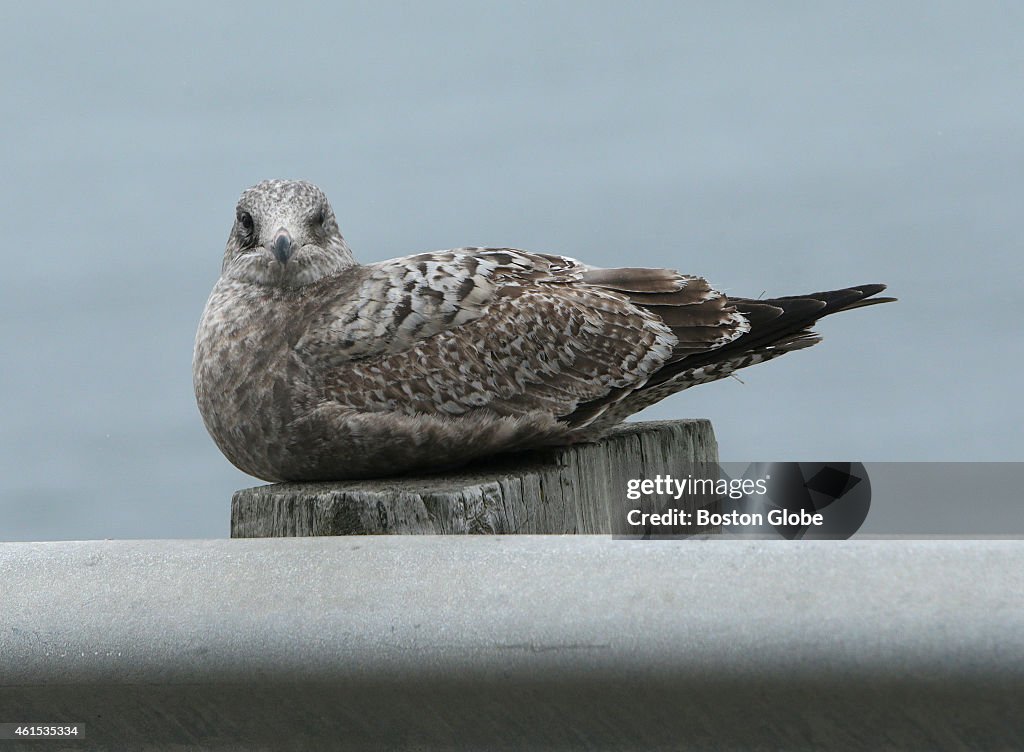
{"x": 518, "y": 642}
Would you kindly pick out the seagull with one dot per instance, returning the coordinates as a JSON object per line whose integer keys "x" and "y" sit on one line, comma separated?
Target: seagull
{"x": 310, "y": 366}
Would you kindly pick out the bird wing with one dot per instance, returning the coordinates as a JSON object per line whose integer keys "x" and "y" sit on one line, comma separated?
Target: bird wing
{"x": 509, "y": 331}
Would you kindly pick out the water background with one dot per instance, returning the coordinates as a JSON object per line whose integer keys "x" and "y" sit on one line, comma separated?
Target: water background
{"x": 770, "y": 147}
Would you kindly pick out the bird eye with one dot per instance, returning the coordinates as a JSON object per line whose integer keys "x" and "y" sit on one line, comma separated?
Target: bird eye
{"x": 245, "y": 220}
{"x": 320, "y": 217}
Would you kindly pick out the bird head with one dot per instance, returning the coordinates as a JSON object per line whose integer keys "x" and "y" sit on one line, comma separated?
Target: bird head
{"x": 285, "y": 235}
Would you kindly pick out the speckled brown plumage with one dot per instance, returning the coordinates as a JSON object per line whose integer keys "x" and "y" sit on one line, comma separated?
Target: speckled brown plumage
{"x": 309, "y": 366}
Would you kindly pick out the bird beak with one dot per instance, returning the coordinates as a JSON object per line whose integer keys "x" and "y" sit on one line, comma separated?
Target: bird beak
{"x": 281, "y": 246}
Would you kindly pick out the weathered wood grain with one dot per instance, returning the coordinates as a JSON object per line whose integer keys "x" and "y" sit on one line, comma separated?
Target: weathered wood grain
{"x": 577, "y": 489}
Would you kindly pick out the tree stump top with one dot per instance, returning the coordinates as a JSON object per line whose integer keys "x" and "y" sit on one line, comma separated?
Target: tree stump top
{"x": 574, "y": 489}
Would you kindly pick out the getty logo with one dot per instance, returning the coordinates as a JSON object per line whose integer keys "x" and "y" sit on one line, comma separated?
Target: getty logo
{"x": 808, "y": 500}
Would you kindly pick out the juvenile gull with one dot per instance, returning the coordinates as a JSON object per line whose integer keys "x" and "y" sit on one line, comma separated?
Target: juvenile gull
{"x": 310, "y": 366}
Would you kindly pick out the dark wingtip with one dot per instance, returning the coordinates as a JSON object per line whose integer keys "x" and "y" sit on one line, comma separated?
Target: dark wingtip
{"x": 869, "y": 302}
{"x": 780, "y": 323}
{"x": 862, "y": 295}
{"x": 844, "y": 299}
{"x": 869, "y": 290}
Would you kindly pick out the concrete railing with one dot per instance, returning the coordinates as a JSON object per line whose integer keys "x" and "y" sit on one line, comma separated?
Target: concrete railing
{"x": 524, "y": 642}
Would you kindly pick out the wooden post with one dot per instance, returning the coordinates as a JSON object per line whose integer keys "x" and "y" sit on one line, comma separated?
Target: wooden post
{"x": 576, "y": 489}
